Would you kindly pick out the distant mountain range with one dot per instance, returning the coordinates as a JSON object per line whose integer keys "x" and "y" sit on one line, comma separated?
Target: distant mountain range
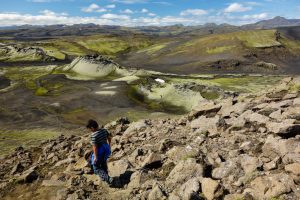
{"x": 175, "y": 30}
{"x": 274, "y": 23}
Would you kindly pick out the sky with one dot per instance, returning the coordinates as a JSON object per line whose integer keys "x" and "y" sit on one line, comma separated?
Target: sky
{"x": 144, "y": 12}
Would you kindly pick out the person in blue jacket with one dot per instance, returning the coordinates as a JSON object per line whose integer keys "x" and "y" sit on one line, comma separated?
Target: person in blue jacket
{"x": 100, "y": 140}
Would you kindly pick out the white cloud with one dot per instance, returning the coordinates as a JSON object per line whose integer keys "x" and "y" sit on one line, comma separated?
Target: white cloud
{"x": 151, "y": 14}
{"x": 51, "y": 13}
{"x": 130, "y": 1}
{"x": 111, "y": 6}
{"x": 193, "y": 12}
{"x": 115, "y": 16}
{"x": 255, "y": 17}
{"x": 93, "y": 8}
{"x": 237, "y": 7}
{"x": 48, "y": 17}
{"x": 144, "y": 10}
{"x": 127, "y": 11}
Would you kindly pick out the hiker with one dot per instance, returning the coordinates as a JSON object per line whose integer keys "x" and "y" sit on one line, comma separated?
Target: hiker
{"x": 100, "y": 140}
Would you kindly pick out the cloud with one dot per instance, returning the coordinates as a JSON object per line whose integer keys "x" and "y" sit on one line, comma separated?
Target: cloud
{"x": 196, "y": 12}
{"x": 144, "y": 10}
{"x": 115, "y": 16}
{"x": 48, "y": 17}
{"x": 111, "y": 6}
{"x": 255, "y": 16}
{"x": 51, "y": 13}
{"x": 237, "y": 7}
{"x": 151, "y": 14}
{"x": 93, "y": 8}
{"x": 127, "y": 11}
{"x": 130, "y": 1}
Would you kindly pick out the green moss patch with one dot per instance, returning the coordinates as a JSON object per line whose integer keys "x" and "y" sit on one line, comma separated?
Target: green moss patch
{"x": 218, "y": 50}
{"x": 10, "y": 139}
{"x": 41, "y": 91}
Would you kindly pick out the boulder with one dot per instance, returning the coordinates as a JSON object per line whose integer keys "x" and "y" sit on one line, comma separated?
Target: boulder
{"x": 268, "y": 187}
{"x": 204, "y": 108}
{"x": 17, "y": 169}
{"x": 156, "y": 193}
{"x": 249, "y": 163}
{"x": 296, "y": 102}
{"x": 53, "y": 183}
{"x": 135, "y": 128}
{"x": 28, "y": 176}
{"x": 283, "y": 129}
{"x": 277, "y": 147}
{"x": 153, "y": 160}
{"x": 80, "y": 164}
{"x": 272, "y": 165}
{"x": 93, "y": 179}
{"x": 189, "y": 189}
{"x": 64, "y": 162}
{"x": 137, "y": 179}
{"x": 183, "y": 171}
{"x": 237, "y": 108}
{"x": 225, "y": 169}
{"x": 178, "y": 153}
{"x": 293, "y": 168}
{"x": 211, "y": 188}
{"x": 118, "y": 167}
{"x": 205, "y": 124}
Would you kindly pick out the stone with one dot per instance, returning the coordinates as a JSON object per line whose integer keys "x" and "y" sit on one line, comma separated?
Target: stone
{"x": 17, "y": 168}
{"x": 268, "y": 187}
{"x": 118, "y": 167}
{"x": 292, "y": 113}
{"x": 152, "y": 161}
{"x": 293, "y": 168}
{"x": 237, "y": 108}
{"x": 210, "y": 188}
{"x": 167, "y": 144}
{"x": 135, "y": 128}
{"x": 93, "y": 178}
{"x": 178, "y": 153}
{"x": 61, "y": 194}
{"x": 204, "y": 108}
{"x": 276, "y": 115}
{"x": 183, "y": 171}
{"x": 137, "y": 179}
{"x": 296, "y": 102}
{"x": 272, "y": 165}
{"x": 224, "y": 169}
{"x": 255, "y": 117}
{"x": 156, "y": 193}
{"x": 249, "y": 163}
{"x": 28, "y": 176}
{"x": 64, "y": 162}
{"x": 277, "y": 147}
{"x": 283, "y": 129}
{"x": 234, "y": 197}
{"x": 205, "y": 124}
{"x": 53, "y": 183}
{"x": 80, "y": 164}
{"x": 290, "y": 96}
{"x": 189, "y": 189}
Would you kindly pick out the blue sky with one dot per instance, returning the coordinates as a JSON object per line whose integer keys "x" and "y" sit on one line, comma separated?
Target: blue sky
{"x": 144, "y": 12}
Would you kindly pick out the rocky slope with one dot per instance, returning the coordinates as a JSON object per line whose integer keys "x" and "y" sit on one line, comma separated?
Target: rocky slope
{"x": 246, "y": 147}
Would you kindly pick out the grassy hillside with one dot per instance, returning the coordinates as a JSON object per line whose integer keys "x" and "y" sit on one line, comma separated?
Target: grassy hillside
{"x": 234, "y": 48}
{"x": 181, "y": 53}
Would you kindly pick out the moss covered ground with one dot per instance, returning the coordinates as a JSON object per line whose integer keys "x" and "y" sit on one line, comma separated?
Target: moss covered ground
{"x": 10, "y": 139}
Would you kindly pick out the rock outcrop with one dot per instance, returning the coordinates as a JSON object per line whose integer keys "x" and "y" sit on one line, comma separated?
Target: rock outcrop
{"x": 246, "y": 147}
